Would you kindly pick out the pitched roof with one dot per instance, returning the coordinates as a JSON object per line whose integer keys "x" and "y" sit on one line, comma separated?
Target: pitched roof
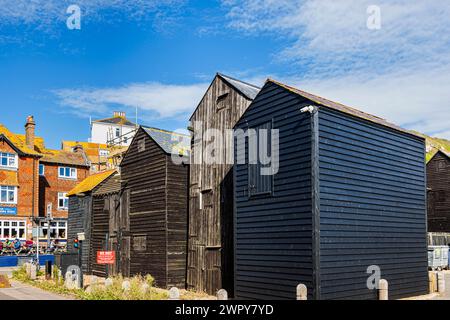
{"x": 90, "y": 182}
{"x": 248, "y": 90}
{"x": 64, "y": 157}
{"x": 170, "y": 142}
{"x": 117, "y": 120}
{"x": 111, "y": 185}
{"x": 343, "y": 108}
{"x": 9, "y": 178}
{"x": 18, "y": 140}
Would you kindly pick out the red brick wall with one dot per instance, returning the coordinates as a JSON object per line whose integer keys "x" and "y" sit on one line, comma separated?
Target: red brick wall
{"x": 27, "y": 177}
{"x": 50, "y": 185}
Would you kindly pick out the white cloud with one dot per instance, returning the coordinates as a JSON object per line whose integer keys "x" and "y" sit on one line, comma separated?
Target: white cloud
{"x": 152, "y": 99}
{"x": 400, "y": 72}
{"x": 45, "y": 14}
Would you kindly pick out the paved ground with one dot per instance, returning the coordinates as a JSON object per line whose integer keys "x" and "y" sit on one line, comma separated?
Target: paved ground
{"x": 20, "y": 291}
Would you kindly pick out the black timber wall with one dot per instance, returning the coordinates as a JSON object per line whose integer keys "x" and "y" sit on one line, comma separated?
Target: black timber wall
{"x": 79, "y": 221}
{"x": 273, "y": 234}
{"x": 438, "y": 181}
{"x": 372, "y": 208}
{"x": 157, "y": 213}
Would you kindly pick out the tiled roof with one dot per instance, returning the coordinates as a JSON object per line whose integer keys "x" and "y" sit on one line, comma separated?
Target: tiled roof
{"x": 343, "y": 108}
{"x": 18, "y": 140}
{"x": 8, "y": 178}
{"x": 118, "y": 120}
{"x": 248, "y": 90}
{"x": 112, "y": 185}
{"x": 64, "y": 157}
{"x": 170, "y": 142}
{"x": 90, "y": 182}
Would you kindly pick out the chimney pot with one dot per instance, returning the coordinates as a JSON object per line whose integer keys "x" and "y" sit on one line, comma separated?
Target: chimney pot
{"x": 29, "y": 132}
{"x": 119, "y": 114}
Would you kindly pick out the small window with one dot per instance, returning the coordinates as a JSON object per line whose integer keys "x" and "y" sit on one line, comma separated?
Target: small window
{"x": 103, "y": 153}
{"x": 63, "y": 201}
{"x": 8, "y": 195}
{"x": 68, "y": 173}
{"x": 117, "y": 132}
{"x": 8, "y": 160}
{"x": 222, "y": 100}
{"x": 259, "y": 183}
{"x": 141, "y": 145}
{"x": 41, "y": 169}
{"x": 125, "y": 140}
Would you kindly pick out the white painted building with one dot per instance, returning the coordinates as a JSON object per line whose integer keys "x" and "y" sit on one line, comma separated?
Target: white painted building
{"x": 117, "y": 130}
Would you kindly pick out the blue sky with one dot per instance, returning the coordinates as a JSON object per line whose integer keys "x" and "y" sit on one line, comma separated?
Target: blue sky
{"x": 161, "y": 55}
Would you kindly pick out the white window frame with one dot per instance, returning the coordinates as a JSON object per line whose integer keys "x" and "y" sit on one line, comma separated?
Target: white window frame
{"x": 9, "y": 157}
{"x": 57, "y": 227}
{"x": 103, "y": 153}
{"x": 21, "y": 224}
{"x": 63, "y": 196}
{"x": 8, "y": 190}
{"x": 73, "y": 173}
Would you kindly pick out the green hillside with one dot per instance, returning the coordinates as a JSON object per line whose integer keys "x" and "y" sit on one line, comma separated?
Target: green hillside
{"x": 435, "y": 144}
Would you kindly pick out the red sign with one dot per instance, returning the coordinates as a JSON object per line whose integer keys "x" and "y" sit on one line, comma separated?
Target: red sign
{"x": 106, "y": 257}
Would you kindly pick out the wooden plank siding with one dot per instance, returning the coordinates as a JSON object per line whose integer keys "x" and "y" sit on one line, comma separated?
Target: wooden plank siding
{"x": 210, "y": 245}
{"x": 438, "y": 182}
{"x": 79, "y": 220}
{"x": 349, "y": 194}
{"x": 157, "y": 212}
{"x": 372, "y": 208}
{"x": 273, "y": 233}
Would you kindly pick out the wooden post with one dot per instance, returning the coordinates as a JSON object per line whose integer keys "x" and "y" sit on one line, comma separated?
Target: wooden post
{"x": 302, "y": 292}
{"x": 222, "y": 294}
{"x": 441, "y": 282}
{"x": 174, "y": 294}
{"x": 383, "y": 289}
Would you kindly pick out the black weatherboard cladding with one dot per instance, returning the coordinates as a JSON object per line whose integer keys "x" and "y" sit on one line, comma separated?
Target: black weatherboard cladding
{"x": 366, "y": 182}
{"x": 372, "y": 208}
{"x": 273, "y": 232}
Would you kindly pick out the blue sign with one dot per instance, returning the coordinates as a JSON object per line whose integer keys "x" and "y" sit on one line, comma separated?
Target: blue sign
{"x": 8, "y": 211}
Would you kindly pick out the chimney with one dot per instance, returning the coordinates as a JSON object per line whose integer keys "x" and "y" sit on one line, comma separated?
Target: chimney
{"x": 119, "y": 114}
{"x": 29, "y": 132}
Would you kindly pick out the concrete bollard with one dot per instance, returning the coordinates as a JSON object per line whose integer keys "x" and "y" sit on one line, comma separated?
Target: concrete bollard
{"x": 383, "y": 290}
{"x": 126, "y": 286}
{"x": 108, "y": 282}
{"x": 145, "y": 288}
{"x": 302, "y": 292}
{"x": 441, "y": 282}
{"x": 222, "y": 294}
{"x": 33, "y": 273}
{"x": 28, "y": 267}
{"x": 174, "y": 294}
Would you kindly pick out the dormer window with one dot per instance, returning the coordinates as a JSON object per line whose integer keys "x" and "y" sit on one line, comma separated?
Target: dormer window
{"x": 8, "y": 160}
{"x": 222, "y": 100}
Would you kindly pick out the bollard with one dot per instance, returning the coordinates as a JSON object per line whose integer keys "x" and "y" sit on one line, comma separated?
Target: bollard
{"x": 48, "y": 270}
{"x": 145, "y": 288}
{"x": 108, "y": 282}
{"x": 302, "y": 292}
{"x": 126, "y": 285}
{"x": 174, "y": 294}
{"x": 222, "y": 294}
{"x": 28, "y": 267}
{"x": 383, "y": 290}
{"x": 441, "y": 282}
{"x": 33, "y": 273}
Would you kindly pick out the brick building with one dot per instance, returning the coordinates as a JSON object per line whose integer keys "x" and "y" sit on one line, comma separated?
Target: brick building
{"x": 31, "y": 177}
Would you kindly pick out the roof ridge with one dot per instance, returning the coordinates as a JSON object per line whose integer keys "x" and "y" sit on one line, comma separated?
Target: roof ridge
{"x": 164, "y": 131}
{"x": 234, "y": 79}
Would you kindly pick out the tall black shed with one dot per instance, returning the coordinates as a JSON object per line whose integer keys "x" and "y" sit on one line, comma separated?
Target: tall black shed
{"x": 350, "y": 193}
{"x": 155, "y": 174}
